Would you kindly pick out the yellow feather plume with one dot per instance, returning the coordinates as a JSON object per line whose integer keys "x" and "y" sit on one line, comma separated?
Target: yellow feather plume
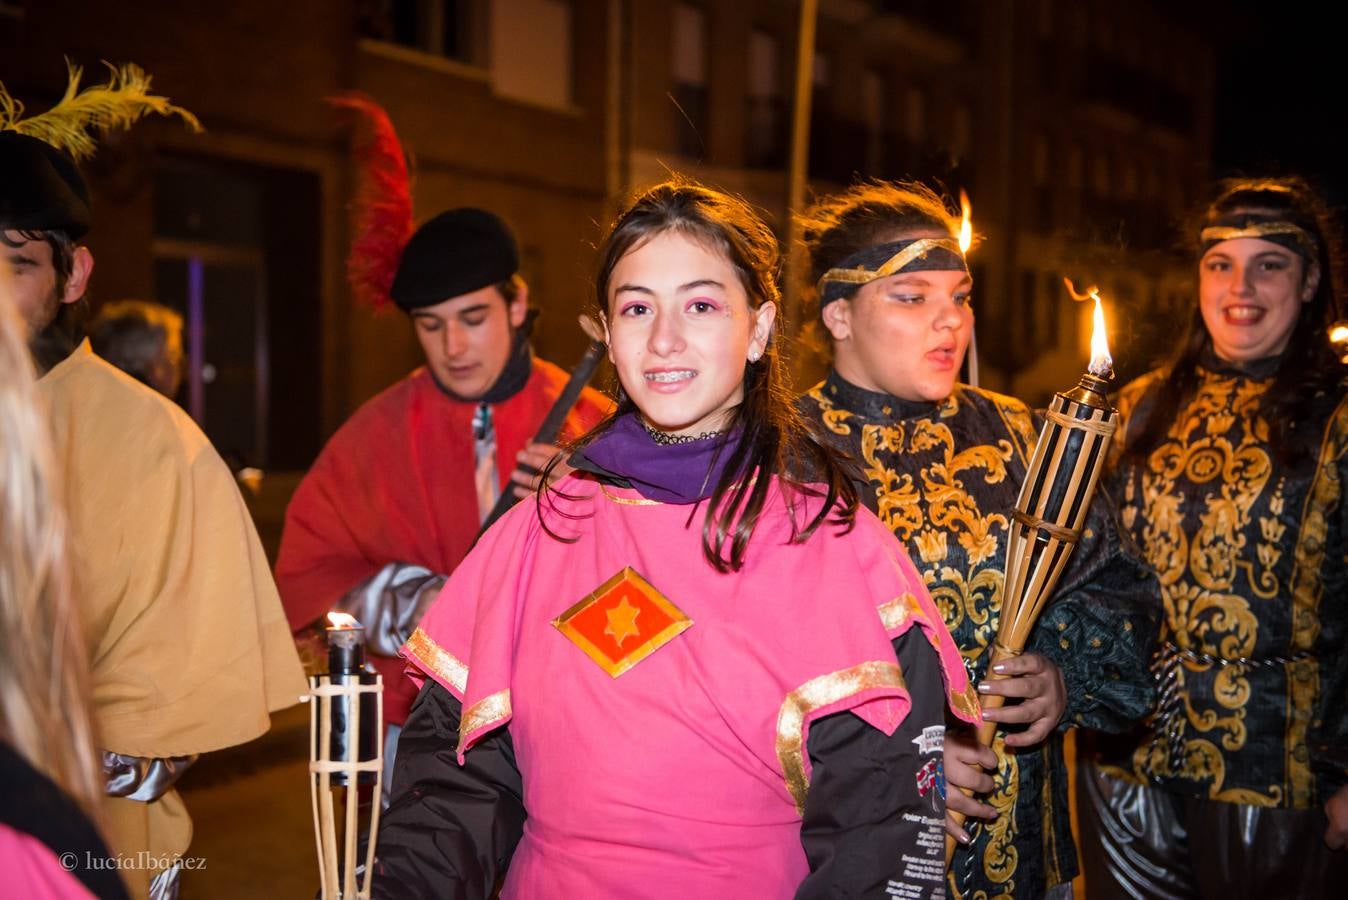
{"x": 69, "y": 124}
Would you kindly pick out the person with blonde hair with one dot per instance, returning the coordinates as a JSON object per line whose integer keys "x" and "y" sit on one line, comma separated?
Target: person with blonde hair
{"x": 48, "y": 766}
{"x": 189, "y": 651}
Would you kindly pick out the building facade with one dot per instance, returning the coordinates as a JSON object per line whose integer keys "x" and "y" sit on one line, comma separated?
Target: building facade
{"x": 1080, "y": 130}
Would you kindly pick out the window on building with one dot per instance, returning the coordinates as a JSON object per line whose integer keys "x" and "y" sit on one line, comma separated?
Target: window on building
{"x": 1025, "y": 319}
{"x": 1043, "y": 191}
{"x": 1054, "y": 298}
{"x": 962, "y": 131}
{"x": 766, "y": 124}
{"x": 873, "y": 109}
{"x": 915, "y": 116}
{"x": 531, "y": 50}
{"x": 1129, "y": 179}
{"x": 690, "y": 79}
{"x": 1102, "y": 175}
{"x": 454, "y": 29}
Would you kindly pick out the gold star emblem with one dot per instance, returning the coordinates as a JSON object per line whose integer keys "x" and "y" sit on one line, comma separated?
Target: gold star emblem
{"x": 622, "y": 622}
{"x": 625, "y": 606}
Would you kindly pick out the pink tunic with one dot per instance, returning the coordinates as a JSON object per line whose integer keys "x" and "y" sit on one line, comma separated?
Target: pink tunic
{"x": 34, "y": 872}
{"x": 684, "y": 774}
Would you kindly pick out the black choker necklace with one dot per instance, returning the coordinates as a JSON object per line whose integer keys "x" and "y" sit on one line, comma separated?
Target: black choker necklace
{"x": 664, "y": 438}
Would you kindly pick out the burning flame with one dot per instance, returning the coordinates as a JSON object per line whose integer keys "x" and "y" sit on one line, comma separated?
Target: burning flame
{"x": 1102, "y": 364}
{"x": 342, "y": 621}
{"x": 966, "y": 224}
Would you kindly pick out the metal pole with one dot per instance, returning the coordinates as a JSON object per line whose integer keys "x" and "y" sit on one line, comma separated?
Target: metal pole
{"x": 799, "y": 165}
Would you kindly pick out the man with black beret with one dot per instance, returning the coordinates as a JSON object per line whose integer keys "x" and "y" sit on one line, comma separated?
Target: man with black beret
{"x": 188, "y": 645}
{"x": 395, "y": 500}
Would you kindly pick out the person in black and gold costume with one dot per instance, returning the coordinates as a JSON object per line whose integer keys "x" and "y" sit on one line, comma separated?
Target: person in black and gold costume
{"x": 1230, "y": 478}
{"x": 943, "y": 463}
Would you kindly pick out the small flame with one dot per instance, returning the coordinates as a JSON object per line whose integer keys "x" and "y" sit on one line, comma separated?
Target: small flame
{"x": 342, "y": 621}
{"x": 966, "y": 224}
{"x": 1102, "y": 364}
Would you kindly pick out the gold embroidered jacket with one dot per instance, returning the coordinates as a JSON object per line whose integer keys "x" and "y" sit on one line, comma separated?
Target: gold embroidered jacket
{"x": 944, "y": 477}
{"x": 1254, "y": 590}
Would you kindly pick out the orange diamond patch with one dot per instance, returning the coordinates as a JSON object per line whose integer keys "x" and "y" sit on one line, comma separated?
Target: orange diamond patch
{"x": 622, "y": 622}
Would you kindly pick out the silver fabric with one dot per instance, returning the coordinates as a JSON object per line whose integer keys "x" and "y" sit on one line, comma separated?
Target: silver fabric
{"x": 166, "y": 883}
{"x": 391, "y": 603}
{"x": 1139, "y": 842}
{"x": 138, "y": 778}
{"x": 390, "y": 754}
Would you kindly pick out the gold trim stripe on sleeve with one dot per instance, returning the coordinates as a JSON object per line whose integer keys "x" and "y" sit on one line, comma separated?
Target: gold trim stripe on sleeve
{"x": 438, "y": 661}
{"x": 487, "y": 713}
{"x": 815, "y": 694}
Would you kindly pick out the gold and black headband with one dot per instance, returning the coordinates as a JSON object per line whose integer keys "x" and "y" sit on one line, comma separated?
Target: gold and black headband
{"x": 1288, "y": 234}
{"x": 865, "y": 266}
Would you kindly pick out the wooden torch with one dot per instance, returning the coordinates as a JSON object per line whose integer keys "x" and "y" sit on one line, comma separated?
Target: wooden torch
{"x": 1052, "y": 507}
{"x": 346, "y": 755}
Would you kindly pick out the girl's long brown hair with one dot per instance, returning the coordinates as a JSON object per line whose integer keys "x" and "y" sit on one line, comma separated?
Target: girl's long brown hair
{"x": 44, "y": 677}
{"x": 775, "y": 441}
{"x": 1306, "y": 368}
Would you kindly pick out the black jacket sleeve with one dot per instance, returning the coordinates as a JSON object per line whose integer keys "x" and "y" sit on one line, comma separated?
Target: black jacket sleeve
{"x": 450, "y": 830}
{"x": 1100, "y": 627}
{"x": 875, "y": 812}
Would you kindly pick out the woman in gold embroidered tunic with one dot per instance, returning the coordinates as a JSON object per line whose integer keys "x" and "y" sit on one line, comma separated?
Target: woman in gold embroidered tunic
{"x": 1230, "y": 478}
{"x": 943, "y": 464}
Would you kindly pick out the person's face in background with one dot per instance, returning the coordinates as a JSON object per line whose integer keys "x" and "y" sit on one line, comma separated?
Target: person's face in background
{"x": 467, "y": 339}
{"x": 680, "y": 332}
{"x": 1250, "y": 293}
{"x": 166, "y": 372}
{"x": 904, "y": 335}
{"x": 33, "y": 284}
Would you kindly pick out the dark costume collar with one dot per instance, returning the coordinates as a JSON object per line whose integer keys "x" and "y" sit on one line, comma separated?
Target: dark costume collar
{"x": 1255, "y": 370}
{"x": 513, "y": 377}
{"x": 883, "y": 260}
{"x": 627, "y": 455}
{"x": 874, "y": 404}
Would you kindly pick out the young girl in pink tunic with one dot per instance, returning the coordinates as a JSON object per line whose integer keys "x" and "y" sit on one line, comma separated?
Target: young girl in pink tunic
{"x": 694, "y": 668}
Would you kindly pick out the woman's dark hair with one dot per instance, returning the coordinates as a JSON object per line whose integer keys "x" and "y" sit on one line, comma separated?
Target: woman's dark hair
{"x": 868, "y": 214}
{"x": 775, "y": 440}
{"x": 1306, "y": 368}
{"x": 865, "y": 215}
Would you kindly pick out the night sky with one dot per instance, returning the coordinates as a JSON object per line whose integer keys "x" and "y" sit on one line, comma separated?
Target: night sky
{"x": 1280, "y": 106}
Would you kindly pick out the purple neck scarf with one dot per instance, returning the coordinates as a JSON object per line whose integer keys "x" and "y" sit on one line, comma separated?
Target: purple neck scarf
{"x": 669, "y": 473}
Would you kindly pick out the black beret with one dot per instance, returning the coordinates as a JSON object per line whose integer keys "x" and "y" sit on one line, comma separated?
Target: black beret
{"x": 40, "y": 188}
{"x": 455, "y": 253}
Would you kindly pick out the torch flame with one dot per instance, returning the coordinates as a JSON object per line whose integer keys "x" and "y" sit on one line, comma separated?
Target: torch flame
{"x": 342, "y": 621}
{"x": 1102, "y": 364}
{"x": 966, "y": 223}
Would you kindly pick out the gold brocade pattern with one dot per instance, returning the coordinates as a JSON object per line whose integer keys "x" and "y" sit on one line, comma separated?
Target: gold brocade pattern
{"x": 437, "y": 660}
{"x": 1212, "y": 510}
{"x": 947, "y": 500}
{"x": 813, "y": 695}
{"x": 1218, "y": 446}
{"x": 1001, "y": 856}
{"x": 926, "y": 511}
{"x": 1303, "y": 676}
